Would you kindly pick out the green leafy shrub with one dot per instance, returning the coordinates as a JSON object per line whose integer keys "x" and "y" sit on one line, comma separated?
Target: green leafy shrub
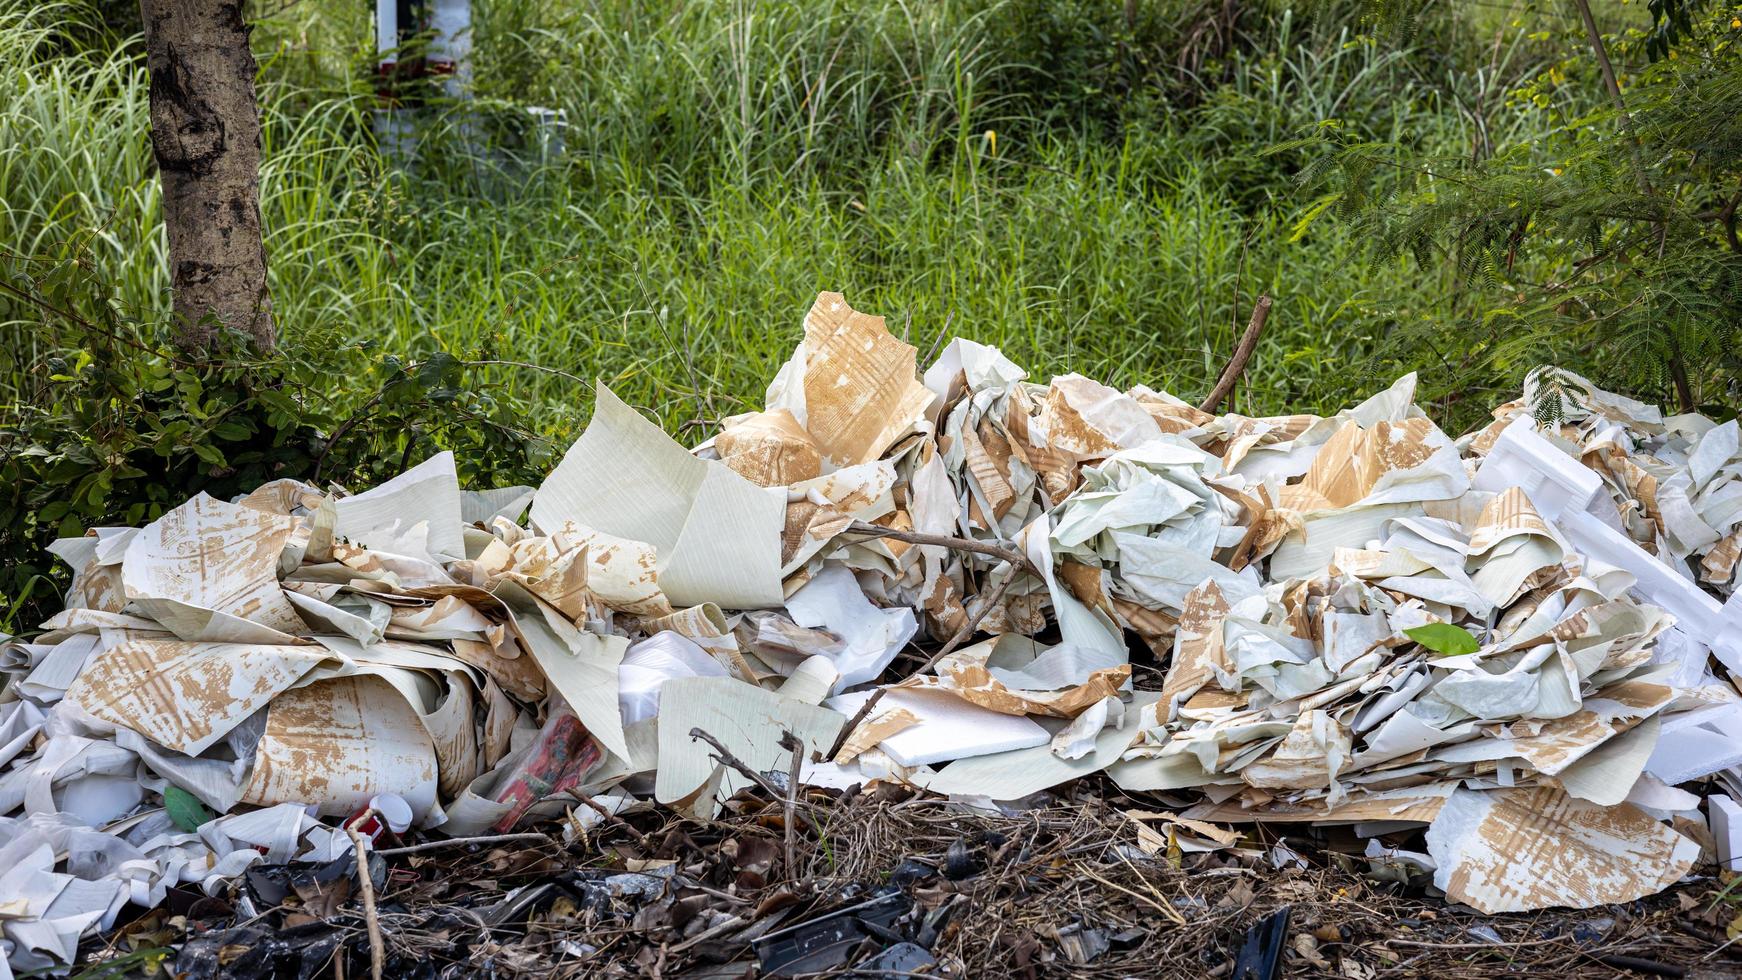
{"x": 104, "y": 422}
{"x": 1607, "y": 244}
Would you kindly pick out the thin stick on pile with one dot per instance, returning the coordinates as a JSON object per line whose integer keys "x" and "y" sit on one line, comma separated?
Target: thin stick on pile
{"x": 1001, "y": 552}
{"x": 792, "y": 744}
{"x": 463, "y": 842}
{"x": 612, "y": 818}
{"x": 1013, "y": 560}
{"x": 725, "y": 755}
{"x": 365, "y": 883}
{"x": 1242, "y": 354}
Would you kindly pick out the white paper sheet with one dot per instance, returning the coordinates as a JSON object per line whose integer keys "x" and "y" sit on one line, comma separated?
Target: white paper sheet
{"x": 650, "y": 664}
{"x": 948, "y": 728}
{"x": 209, "y": 571}
{"x": 582, "y": 667}
{"x": 717, "y": 534}
{"x": 483, "y": 506}
{"x": 1013, "y": 775}
{"x": 1513, "y": 850}
{"x": 338, "y": 742}
{"x": 428, "y": 493}
{"x": 187, "y": 696}
{"x": 833, "y": 601}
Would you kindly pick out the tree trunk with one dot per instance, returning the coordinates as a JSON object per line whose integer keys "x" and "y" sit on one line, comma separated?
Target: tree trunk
{"x": 205, "y": 130}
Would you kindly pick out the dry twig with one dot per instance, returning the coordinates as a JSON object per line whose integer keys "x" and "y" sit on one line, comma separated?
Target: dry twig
{"x": 461, "y": 842}
{"x": 1000, "y": 552}
{"x": 791, "y": 743}
{"x": 377, "y": 949}
{"x": 725, "y": 755}
{"x": 1242, "y": 354}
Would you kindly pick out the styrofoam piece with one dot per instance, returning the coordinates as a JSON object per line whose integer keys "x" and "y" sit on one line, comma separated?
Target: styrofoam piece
{"x": 1564, "y": 492}
{"x": 1725, "y": 817}
{"x": 1697, "y": 743}
{"x": 1697, "y": 614}
{"x": 1555, "y": 482}
{"x": 949, "y": 728}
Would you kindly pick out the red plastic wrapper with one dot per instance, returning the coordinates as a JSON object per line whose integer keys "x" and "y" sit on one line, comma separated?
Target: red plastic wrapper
{"x": 562, "y": 757}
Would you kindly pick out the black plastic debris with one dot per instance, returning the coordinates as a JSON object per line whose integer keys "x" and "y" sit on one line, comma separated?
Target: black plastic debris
{"x": 587, "y": 889}
{"x": 321, "y": 886}
{"x": 1261, "y": 954}
{"x": 931, "y": 926}
{"x": 900, "y": 960}
{"x": 829, "y": 941}
{"x": 1127, "y": 938}
{"x": 1591, "y": 931}
{"x": 298, "y": 953}
{"x": 960, "y": 862}
{"x": 1079, "y": 944}
{"x": 911, "y": 871}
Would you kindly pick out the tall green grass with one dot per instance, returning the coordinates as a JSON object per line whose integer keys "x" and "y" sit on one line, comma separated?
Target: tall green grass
{"x": 728, "y": 160}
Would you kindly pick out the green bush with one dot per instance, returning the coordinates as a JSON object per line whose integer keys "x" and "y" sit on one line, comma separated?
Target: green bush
{"x": 1610, "y": 240}
{"x": 109, "y": 424}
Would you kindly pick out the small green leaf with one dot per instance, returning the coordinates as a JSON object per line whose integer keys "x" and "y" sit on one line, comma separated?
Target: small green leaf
{"x": 1453, "y": 641}
{"x": 184, "y": 809}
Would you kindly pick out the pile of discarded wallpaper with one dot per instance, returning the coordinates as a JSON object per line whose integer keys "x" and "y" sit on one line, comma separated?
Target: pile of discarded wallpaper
{"x": 1516, "y": 639}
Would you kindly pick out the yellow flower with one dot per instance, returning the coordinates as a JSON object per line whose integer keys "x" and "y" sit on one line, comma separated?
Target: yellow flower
{"x": 1736, "y": 22}
{"x": 992, "y": 142}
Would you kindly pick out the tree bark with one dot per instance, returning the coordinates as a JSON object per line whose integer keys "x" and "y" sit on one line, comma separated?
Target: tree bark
{"x": 1678, "y": 370}
{"x": 1613, "y": 87}
{"x": 205, "y": 131}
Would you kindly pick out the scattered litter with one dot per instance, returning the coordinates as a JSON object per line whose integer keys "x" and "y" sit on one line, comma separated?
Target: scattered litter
{"x": 1080, "y": 944}
{"x": 827, "y": 942}
{"x": 1514, "y": 850}
{"x": 900, "y": 960}
{"x": 1726, "y": 817}
{"x": 1517, "y": 643}
{"x": 1485, "y": 934}
{"x": 1261, "y": 955}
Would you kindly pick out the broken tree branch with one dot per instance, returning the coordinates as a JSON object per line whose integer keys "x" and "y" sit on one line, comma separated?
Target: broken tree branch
{"x": 462, "y": 842}
{"x": 1677, "y": 366}
{"x": 1242, "y": 353}
{"x": 1613, "y": 87}
{"x": 531, "y": 367}
{"x": 725, "y": 756}
{"x": 987, "y": 601}
{"x": 1002, "y": 553}
{"x": 366, "y": 883}
{"x": 792, "y": 744}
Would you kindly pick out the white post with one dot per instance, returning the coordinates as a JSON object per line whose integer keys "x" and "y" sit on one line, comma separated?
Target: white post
{"x": 450, "y": 50}
{"x": 392, "y": 126}
{"x": 386, "y": 33}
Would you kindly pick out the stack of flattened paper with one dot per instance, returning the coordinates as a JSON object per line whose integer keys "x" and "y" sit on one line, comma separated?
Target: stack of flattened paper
{"x": 1520, "y": 641}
